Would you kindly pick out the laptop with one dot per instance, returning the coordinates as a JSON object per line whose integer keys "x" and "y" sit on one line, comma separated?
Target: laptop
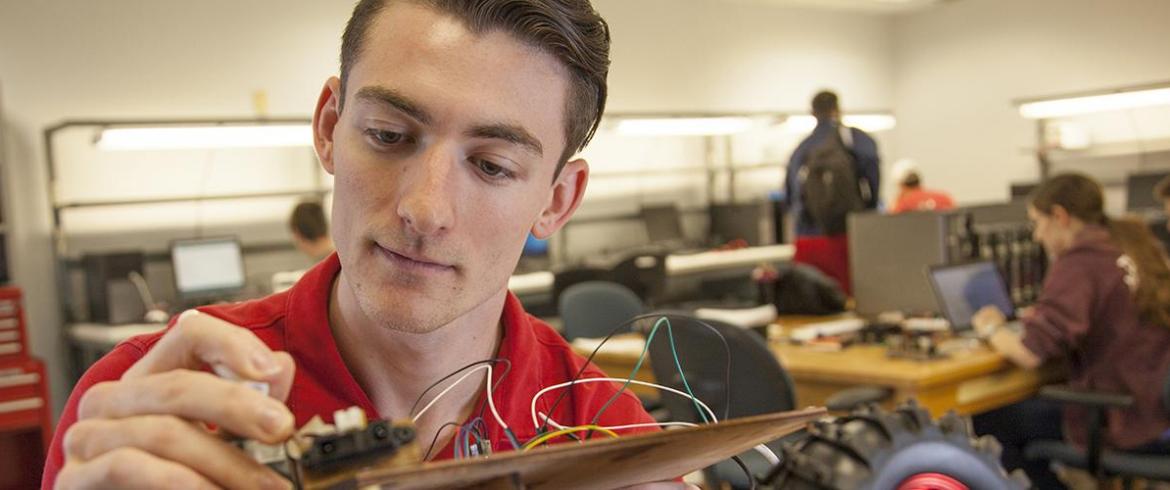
{"x": 963, "y": 289}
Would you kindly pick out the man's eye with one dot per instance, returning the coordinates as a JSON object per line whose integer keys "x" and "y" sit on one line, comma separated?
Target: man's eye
{"x": 386, "y": 137}
{"x": 490, "y": 169}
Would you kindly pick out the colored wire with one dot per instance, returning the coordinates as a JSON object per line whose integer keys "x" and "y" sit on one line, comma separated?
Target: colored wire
{"x": 435, "y": 439}
{"x": 611, "y": 380}
{"x": 589, "y": 360}
{"x": 751, "y": 478}
{"x": 627, "y": 323}
{"x": 557, "y": 433}
{"x": 764, "y": 450}
{"x": 507, "y": 369}
{"x": 452, "y": 386}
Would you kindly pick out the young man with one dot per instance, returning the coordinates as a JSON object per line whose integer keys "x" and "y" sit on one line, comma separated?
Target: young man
{"x": 449, "y": 135}
{"x": 310, "y": 231}
{"x": 820, "y": 248}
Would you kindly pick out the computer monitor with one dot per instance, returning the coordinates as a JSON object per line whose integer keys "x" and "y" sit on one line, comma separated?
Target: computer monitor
{"x": 965, "y": 288}
{"x": 207, "y": 267}
{"x": 1139, "y": 191}
{"x": 735, "y": 221}
{"x": 663, "y": 223}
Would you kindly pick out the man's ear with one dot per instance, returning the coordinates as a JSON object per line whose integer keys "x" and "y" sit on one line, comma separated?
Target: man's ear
{"x": 325, "y": 120}
{"x": 567, "y": 193}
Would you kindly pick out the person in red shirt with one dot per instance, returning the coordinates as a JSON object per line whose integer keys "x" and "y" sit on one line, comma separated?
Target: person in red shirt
{"x": 912, "y": 196}
{"x": 449, "y": 134}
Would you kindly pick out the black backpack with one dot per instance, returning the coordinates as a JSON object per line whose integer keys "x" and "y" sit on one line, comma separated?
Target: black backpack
{"x": 830, "y": 185}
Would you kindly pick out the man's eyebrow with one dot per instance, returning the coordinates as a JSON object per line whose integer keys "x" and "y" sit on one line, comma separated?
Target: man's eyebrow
{"x": 395, "y": 99}
{"x": 510, "y": 133}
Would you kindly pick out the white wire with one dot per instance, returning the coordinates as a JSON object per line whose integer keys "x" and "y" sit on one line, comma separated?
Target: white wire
{"x": 488, "y": 367}
{"x": 491, "y": 401}
{"x": 764, "y": 450}
{"x": 536, "y": 423}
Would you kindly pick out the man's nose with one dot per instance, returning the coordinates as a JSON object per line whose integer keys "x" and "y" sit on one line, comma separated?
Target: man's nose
{"x": 428, "y": 200}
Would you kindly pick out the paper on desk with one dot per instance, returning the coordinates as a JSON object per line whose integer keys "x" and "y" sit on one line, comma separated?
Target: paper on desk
{"x": 741, "y": 317}
{"x": 618, "y": 345}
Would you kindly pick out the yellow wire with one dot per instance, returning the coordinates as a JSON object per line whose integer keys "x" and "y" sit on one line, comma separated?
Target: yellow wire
{"x": 568, "y": 430}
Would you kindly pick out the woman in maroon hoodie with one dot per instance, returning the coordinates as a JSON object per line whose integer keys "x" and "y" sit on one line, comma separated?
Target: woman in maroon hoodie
{"x": 1104, "y": 309}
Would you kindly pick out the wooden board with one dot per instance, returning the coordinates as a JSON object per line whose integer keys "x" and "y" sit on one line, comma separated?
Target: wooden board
{"x": 600, "y": 463}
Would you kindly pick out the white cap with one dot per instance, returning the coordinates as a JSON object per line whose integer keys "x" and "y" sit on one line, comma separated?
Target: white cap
{"x": 902, "y": 169}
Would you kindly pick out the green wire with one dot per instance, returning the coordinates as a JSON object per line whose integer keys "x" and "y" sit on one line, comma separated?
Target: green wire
{"x": 694, "y": 400}
{"x": 638, "y": 365}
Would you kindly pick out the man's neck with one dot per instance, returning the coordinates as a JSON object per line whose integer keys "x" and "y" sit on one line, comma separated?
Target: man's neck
{"x": 394, "y": 367}
{"x": 320, "y": 248}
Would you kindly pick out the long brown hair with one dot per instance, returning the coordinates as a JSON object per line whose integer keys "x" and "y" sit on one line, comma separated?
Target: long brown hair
{"x": 1082, "y": 198}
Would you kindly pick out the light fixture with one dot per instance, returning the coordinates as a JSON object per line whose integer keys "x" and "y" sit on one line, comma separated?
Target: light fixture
{"x": 196, "y": 137}
{"x": 687, "y": 126}
{"x": 1086, "y": 104}
{"x": 870, "y": 123}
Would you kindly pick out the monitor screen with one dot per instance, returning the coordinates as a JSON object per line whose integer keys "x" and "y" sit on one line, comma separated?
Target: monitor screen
{"x": 964, "y": 289}
{"x": 735, "y": 221}
{"x": 207, "y": 267}
{"x": 663, "y": 223}
{"x": 1139, "y": 191}
{"x": 1021, "y": 190}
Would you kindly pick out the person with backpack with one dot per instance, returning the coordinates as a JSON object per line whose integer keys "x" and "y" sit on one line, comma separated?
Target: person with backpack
{"x": 832, "y": 173}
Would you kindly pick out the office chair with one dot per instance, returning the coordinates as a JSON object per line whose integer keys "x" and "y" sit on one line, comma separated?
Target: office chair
{"x": 563, "y": 279}
{"x": 592, "y": 309}
{"x": 758, "y": 383}
{"x": 1099, "y": 462}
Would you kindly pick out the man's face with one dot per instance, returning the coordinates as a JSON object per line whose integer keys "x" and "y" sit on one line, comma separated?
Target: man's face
{"x": 443, "y": 157}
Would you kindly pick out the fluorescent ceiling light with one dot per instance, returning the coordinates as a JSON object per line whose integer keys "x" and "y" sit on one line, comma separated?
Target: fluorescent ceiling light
{"x": 870, "y": 123}
{"x": 194, "y": 137}
{"x": 1071, "y": 106}
{"x": 686, "y": 126}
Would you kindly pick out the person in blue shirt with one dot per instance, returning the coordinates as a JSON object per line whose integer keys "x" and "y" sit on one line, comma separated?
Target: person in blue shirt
{"x": 813, "y": 246}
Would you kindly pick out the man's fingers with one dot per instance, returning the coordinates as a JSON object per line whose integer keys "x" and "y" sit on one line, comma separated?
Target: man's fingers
{"x": 172, "y": 439}
{"x": 129, "y": 468}
{"x": 191, "y": 395}
{"x": 280, "y": 384}
{"x": 198, "y": 339}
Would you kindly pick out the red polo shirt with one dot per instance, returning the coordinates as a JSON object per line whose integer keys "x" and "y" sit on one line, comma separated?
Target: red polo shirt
{"x": 297, "y": 321}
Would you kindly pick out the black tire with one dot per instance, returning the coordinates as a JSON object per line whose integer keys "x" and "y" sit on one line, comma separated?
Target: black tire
{"x": 874, "y": 449}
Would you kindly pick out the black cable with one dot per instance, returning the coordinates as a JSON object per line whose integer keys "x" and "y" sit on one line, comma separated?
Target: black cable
{"x": 746, "y": 471}
{"x": 435, "y": 440}
{"x": 572, "y": 382}
{"x": 726, "y": 348}
{"x": 507, "y": 369}
{"x": 727, "y": 371}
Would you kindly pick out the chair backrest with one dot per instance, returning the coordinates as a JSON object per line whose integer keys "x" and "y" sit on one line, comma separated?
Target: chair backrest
{"x": 758, "y": 383}
{"x": 593, "y": 309}
{"x": 565, "y": 278}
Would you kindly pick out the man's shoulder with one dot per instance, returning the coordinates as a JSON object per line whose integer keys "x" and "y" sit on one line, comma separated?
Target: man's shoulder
{"x": 257, "y": 315}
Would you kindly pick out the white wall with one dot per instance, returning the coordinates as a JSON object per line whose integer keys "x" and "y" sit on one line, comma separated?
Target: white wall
{"x": 63, "y": 59}
{"x": 960, "y": 65}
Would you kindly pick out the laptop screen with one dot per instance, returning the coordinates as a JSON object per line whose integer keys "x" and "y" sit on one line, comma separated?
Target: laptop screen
{"x": 964, "y": 289}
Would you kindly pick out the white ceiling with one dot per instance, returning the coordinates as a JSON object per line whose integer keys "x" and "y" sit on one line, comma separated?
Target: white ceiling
{"x": 876, "y": 6}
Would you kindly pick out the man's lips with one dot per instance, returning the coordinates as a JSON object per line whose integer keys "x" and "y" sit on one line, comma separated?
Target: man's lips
{"x": 413, "y": 260}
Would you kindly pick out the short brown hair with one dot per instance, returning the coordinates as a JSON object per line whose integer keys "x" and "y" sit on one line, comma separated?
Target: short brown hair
{"x": 824, "y": 103}
{"x": 570, "y": 30}
{"x": 308, "y": 221}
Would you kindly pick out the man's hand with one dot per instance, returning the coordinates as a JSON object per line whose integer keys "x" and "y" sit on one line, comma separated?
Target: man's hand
{"x": 986, "y": 320}
{"x": 148, "y": 429}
